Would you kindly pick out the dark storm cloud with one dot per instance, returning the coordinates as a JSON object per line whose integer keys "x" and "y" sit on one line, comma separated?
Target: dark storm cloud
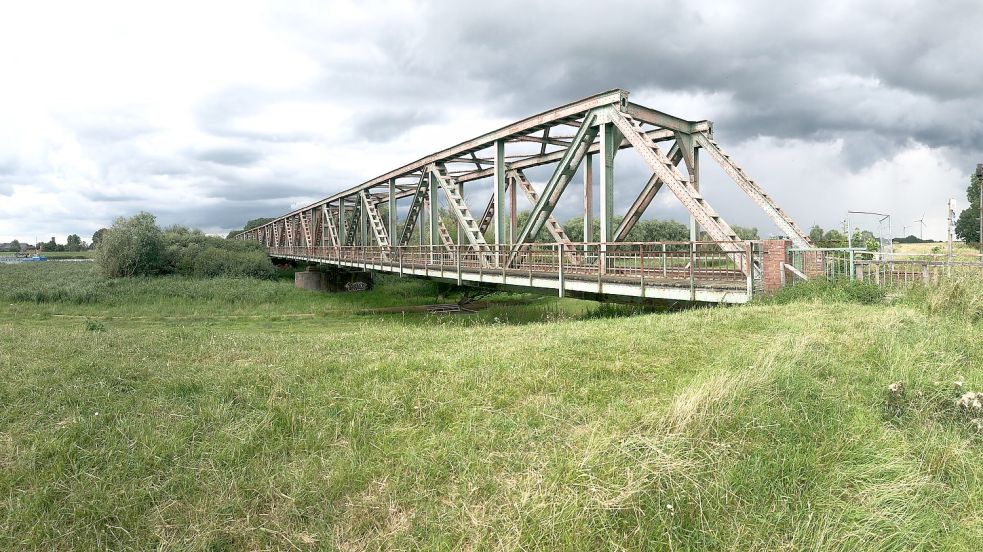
{"x": 793, "y": 69}
{"x": 227, "y": 215}
{"x": 256, "y": 191}
{"x": 387, "y": 124}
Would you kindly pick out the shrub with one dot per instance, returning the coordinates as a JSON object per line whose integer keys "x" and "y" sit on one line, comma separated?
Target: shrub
{"x": 136, "y": 246}
{"x": 132, "y": 247}
{"x": 190, "y": 252}
{"x": 214, "y": 261}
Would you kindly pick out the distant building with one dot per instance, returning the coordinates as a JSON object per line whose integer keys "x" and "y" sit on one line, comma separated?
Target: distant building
{"x": 979, "y": 170}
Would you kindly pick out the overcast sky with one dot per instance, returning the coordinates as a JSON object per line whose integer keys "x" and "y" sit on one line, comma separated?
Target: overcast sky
{"x": 211, "y": 113}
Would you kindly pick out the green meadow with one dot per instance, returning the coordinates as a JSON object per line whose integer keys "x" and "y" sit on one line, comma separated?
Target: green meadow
{"x": 175, "y": 413}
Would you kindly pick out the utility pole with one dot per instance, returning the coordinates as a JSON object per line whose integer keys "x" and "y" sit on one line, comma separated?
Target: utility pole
{"x": 950, "y": 209}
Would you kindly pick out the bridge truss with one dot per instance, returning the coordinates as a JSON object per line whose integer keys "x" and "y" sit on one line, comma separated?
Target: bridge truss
{"x": 360, "y": 226}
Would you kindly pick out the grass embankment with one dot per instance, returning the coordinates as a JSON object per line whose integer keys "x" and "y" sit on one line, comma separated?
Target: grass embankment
{"x": 157, "y": 420}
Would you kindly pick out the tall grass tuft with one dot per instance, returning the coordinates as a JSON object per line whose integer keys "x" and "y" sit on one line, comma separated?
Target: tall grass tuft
{"x": 836, "y": 291}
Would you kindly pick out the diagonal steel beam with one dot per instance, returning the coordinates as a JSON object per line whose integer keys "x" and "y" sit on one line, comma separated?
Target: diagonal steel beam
{"x": 459, "y": 208}
{"x": 712, "y": 223}
{"x": 414, "y": 211}
{"x": 561, "y": 176}
{"x": 353, "y": 224}
{"x": 329, "y": 224}
{"x": 376, "y": 223}
{"x": 644, "y": 198}
{"x": 758, "y": 195}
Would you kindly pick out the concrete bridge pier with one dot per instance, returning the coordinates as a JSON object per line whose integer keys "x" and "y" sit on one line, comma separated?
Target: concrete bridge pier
{"x": 333, "y": 279}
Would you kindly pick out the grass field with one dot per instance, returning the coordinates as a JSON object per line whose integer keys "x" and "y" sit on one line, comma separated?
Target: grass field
{"x": 186, "y": 414}
{"x": 60, "y": 254}
{"x": 958, "y": 248}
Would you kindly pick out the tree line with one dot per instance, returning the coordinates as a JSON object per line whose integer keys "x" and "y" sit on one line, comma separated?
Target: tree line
{"x": 73, "y": 243}
{"x": 647, "y": 230}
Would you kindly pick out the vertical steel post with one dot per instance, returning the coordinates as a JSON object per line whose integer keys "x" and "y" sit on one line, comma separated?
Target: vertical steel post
{"x": 461, "y": 238}
{"x": 694, "y": 231}
{"x": 512, "y": 185}
{"x": 392, "y": 212}
{"x": 608, "y": 149}
{"x": 692, "y": 278}
{"x": 588, "y": 200}
{"x": 665, "y": 271}
{"x": 434, "y": 216}
{"x": 342, "y": 234}
{"x": 499, "y": 194}
{"x": 559, "y": 256}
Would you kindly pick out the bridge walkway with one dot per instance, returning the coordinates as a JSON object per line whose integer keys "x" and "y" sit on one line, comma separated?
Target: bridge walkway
{"x": 696, "y": 272}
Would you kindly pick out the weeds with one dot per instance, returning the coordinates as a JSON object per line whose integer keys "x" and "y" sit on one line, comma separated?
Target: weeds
{"x": 836, "y": 291}
{"x": 245, "y": 414}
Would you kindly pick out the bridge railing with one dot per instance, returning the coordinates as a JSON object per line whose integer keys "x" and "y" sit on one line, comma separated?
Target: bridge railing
{"x": 693, "y": 264}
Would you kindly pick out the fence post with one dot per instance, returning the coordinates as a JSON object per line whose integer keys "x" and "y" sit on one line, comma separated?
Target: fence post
{"x": 559, "y": 256}
{"x": 459, "y": 280}
{"x": 641, "y": 267}
{"x": 692, "y": 262}
{"x": 750, "y": 270}
{"x": 665, "y": 272}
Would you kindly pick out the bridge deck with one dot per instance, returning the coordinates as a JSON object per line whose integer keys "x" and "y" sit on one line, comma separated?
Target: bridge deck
{"x": 689, "y": 272}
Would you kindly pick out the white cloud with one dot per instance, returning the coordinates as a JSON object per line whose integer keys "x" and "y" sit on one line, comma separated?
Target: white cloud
{"x": 210, "y": 113}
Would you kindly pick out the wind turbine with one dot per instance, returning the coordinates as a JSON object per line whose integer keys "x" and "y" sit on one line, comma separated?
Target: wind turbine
{"x": 921, "y": 222}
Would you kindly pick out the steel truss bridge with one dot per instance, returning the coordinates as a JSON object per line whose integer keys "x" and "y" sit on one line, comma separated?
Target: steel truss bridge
{"x": 360, "y": 228}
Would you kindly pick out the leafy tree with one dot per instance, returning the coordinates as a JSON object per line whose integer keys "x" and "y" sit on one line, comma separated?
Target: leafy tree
{"x": 73, "y": 243}
{"x": 50, "y": 245}
{"x": 816, "y": 234}
{"x": 13, "y": 247}
{"x": 133, "y": 247}
{"x": 968, "y": 223}
{"x": 746, "y": 233}
{"x": 97, "y": 237}
{"x": 832, "y": 238}
{"x": 257, "y": 222}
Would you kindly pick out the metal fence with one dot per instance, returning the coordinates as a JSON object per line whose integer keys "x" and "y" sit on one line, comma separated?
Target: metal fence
{"x": 879, "y": 268}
